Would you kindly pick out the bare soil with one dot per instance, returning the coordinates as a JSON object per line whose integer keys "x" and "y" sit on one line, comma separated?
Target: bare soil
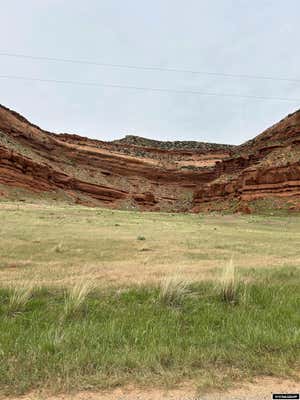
{"x": 260, "y": 389}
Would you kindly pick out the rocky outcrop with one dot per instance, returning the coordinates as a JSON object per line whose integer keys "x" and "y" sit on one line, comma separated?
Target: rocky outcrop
{"x": 21, "y": 172}
{"x": 265, "y": 167}
{"x": 254, "y": 183}
{"x": 145, "y": 174}
{"x": 95, "y": 172}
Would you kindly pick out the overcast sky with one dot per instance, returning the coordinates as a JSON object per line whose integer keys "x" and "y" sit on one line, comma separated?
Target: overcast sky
{"x": 258, "y": 37}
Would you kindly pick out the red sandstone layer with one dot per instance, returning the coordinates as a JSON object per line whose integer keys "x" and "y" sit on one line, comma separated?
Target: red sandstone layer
{"x": 144, "y": 174}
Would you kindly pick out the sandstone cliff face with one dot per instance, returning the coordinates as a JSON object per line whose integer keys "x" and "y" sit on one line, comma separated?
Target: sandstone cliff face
{"x": 94, "y": 172}
{"x": 145, "y": 174}
{"x": 265, "y": 167}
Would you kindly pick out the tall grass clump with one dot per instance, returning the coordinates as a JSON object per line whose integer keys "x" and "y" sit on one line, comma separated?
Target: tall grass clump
{"x": 229, "y": 287}
{"x": 18, "y": 297}
{"x": 173, "y": 289}
{"x": 75, "y": 297}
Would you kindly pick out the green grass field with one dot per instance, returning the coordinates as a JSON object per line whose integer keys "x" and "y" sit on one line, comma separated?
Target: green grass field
{"x": 85, "y": 302}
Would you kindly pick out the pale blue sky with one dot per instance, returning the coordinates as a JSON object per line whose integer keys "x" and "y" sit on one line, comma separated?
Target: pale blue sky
{"x": 258, "y": 37}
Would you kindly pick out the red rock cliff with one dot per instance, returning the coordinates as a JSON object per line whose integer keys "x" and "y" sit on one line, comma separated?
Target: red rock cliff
{"x": 146, "y": 174}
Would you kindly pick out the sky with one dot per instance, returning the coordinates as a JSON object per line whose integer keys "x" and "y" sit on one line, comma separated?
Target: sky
{"x": 235, "y": 37}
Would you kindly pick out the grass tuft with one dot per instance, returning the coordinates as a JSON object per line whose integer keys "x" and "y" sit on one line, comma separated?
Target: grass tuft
{"x": 19, "y": 296}
{"x": 230, "y": 284}
{"x": 75, "y": 297}
{"x": 173, "y": 289}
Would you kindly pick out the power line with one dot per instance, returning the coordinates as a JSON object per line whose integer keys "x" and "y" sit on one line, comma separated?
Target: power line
{"x": 150, "y": 89}
{"x": 150, "y": 68}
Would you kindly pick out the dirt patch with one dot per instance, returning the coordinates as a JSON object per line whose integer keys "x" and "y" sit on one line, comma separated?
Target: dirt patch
{"x": 261, "y": 389}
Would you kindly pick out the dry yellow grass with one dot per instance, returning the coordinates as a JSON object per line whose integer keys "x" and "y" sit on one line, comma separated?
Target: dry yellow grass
{"x": 229, "y": 285}
{"x": 76, "y": 296}
{"x": 59, "y": 245}
{"x": 19, "y": 296}
{"x": 173, "y": 289}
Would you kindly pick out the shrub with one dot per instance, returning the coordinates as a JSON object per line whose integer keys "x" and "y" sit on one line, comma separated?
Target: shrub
{"x": 58, "y": 248}
{"x": 140, "y": 237}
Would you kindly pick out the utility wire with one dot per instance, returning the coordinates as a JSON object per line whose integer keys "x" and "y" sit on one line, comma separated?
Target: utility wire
{"x": 148, "y": 89}
{"x": 150, "y": 68}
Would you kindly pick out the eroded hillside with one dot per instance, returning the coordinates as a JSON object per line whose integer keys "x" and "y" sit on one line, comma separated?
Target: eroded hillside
{"x": 139, "y": 173}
